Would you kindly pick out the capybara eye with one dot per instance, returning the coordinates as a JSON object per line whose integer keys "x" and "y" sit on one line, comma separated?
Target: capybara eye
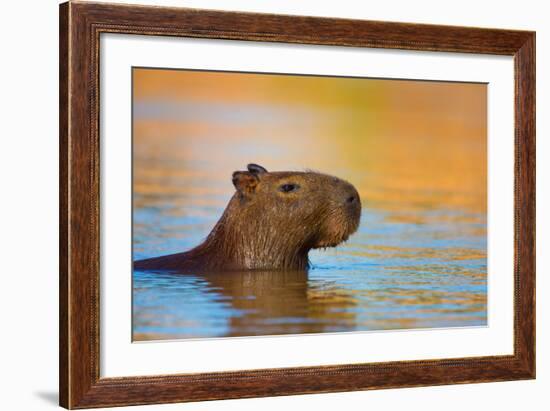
{"x": 287, "y": 188}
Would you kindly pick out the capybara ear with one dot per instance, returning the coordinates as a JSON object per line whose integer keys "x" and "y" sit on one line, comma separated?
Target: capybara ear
{"x": 245, "y": 182}
{"x": 256, "y": 169}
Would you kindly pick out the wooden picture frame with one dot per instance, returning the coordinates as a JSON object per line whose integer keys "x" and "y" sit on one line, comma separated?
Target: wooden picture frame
{"x": 80, "y": 27}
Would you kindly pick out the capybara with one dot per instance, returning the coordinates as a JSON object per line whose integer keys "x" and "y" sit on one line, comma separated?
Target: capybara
{"x": 271, "y": 222}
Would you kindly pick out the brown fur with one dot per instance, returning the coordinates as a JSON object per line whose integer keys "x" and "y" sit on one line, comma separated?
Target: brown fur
{"x": 264, "y": 227}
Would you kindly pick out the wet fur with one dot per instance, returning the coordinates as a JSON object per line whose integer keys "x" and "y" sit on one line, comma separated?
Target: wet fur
{"x": 265, "y": 228}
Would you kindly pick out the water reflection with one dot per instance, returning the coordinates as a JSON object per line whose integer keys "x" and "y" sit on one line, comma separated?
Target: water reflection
{"x": 251, "y": 303}
{"x": 388, "y": 276}
{"x": 416, "y": 152}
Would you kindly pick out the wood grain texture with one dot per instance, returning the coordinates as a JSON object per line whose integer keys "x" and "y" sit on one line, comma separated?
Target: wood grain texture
{"x": 80, "y": 27}
{"x": 63, "y": 205}
{"x": 524, "y": 321}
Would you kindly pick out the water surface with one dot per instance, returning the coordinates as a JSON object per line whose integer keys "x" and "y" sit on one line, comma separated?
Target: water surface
{"x": 389, "y": 275}
{"x": 415, "y": 151}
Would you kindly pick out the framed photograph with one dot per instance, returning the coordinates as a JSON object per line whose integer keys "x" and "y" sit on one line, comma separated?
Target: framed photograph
{"x": 258, "y": 205}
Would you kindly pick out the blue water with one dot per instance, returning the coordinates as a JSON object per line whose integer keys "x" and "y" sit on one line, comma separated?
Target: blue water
{"x": 389, "y": 275}
{"x": 418, "y": 259}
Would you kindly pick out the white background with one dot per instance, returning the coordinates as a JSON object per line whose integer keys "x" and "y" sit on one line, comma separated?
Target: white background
{"x": 29, "y": 165}
{"x": 121, "y": 358}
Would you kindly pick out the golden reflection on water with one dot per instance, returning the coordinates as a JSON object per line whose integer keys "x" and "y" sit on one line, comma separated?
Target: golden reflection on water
{"x": 415, "y": 150}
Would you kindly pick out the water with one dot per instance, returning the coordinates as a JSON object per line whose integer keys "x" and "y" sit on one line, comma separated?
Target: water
{"x": 416, "y": 152}
{"x": 388, "y": 276}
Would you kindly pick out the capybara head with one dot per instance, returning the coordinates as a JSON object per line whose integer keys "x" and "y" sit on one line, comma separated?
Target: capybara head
{"x": 291, "y": 212}
{"x": 271, "y": 223}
